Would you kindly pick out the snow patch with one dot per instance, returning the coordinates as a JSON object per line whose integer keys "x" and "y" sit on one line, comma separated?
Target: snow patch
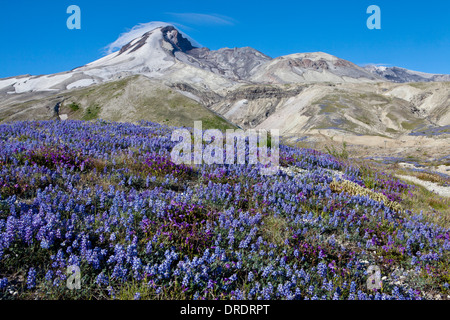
{"x": 81, "y": 83}
{"x": 7, "y": 82}
{"x": 40, "y": 83}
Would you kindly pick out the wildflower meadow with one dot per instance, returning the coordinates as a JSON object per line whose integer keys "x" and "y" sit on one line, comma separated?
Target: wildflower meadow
{"x": 106, "y": 198}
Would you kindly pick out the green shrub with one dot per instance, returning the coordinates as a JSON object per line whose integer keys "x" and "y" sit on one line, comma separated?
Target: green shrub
{"x": 74, "y": 106}
{"x": 92, "y": 112}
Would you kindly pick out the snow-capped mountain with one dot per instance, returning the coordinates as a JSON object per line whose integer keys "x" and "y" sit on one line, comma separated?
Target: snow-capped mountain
{"x": 396, "y": 74}
{"x": 162, "y": 75}
{"x": 157, "y": 54}
{"x": 165, "y": 54}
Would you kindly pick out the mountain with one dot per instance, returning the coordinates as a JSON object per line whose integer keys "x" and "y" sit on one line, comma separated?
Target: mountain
{"x": 384, "y": 108}
{"x": 235, "y": 64}
{"x": 154, "y": 55}
{"x": 166, "y": 54}
{"x": 162, "y": 76}
{"x": 310, "y": 67}
{"x": 396, "y": 74}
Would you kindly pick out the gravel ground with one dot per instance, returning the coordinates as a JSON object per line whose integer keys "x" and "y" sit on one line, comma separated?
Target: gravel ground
{"x": 431, "y": 186}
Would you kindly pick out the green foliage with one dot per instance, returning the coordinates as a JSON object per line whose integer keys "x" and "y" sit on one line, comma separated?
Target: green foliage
{"x": 340, "y": 154}
{"x": 92, "y": 112}
{"x": 215, "y": 123}
{"x": 411, "y": 125}
{"x": 74, "y": 106}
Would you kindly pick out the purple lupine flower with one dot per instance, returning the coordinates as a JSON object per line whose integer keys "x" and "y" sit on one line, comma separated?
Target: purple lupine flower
{"x": 3, "y": 283}
{"x": 31, "y": 278}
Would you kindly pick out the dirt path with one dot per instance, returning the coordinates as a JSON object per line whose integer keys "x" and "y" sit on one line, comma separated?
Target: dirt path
{"x": 431, "y": 186}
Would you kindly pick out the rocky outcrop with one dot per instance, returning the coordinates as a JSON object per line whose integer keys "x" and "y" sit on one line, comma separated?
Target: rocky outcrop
{"x": 180, "y": 43}
{"x": 207, "y": 98}
{"x": 236, "y": 64}
{"x": 263, "y": 91}
{"x": 401, "y": 75}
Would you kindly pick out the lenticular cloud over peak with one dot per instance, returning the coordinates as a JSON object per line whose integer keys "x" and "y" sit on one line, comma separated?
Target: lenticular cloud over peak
{"x": 133, "y": 33}
{"x": 137, "y": 31}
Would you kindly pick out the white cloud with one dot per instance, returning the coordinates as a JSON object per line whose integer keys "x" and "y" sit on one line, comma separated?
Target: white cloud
{"x": 140, "y": 29}
{"x": 376, "y": 64}
{"x": 204, "y": 19}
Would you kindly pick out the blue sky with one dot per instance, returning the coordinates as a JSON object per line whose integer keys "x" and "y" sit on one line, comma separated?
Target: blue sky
{"x": 414, "y": 34}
